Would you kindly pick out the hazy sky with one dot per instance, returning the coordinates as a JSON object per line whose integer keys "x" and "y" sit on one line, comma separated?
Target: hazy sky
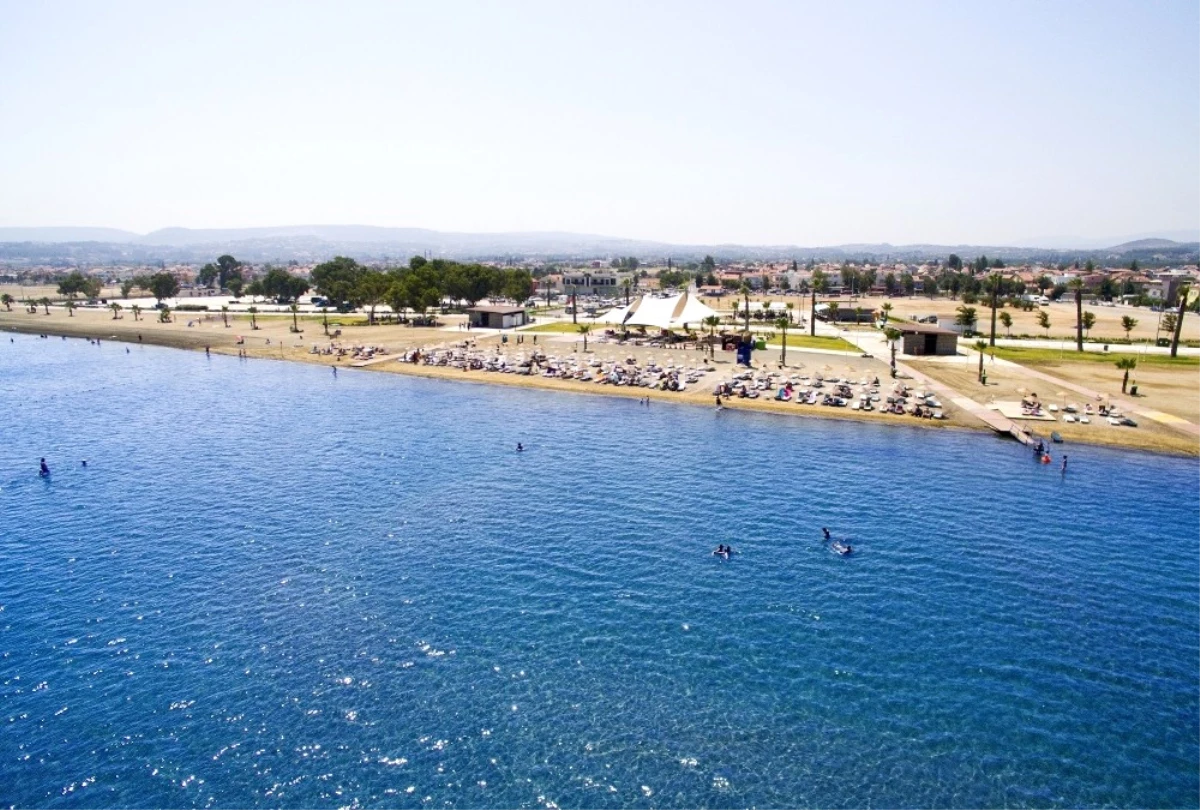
{"x": 805, "y": 123}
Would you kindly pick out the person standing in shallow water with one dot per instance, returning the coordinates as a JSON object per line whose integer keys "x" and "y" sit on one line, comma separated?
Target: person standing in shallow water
{"x": 44, "y": 470}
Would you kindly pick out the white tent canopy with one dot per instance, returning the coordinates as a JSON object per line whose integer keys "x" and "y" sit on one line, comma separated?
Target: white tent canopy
{"x": 675, "y": 312}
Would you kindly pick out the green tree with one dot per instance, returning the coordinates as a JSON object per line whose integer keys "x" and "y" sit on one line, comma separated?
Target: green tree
{"x": 1168, "y": 322}
{"x": 1126, "y": 364}
{"x": 164, "y": 315}
{"x": 137, "y": 313}
{"x": 283, "y": 286}
{"x": 253, "y": 318}
{"x": 517, "y": 284}
{"x": 337, "y": 280}
{"x": 116, "y": 308}
{"x": 1089, "y": 320}
{"x": 295, "y": 308}
{"x": 417, "y": 289}
{"x": 583, "y": 329}
{"x": 126, "y": 287}
{"x": 70, "y": 309}
{"x": 709, "y": 265}
{"x": 954, "y": 262}
{"x": 235, "y": 286}
{"x": 993, "y": 287}
{"x": 1076, "y": 285}
{"x": 372, "y": 289}
{"x": 908, "y": 283}
{"x": 893, "y": 336}
{"x": 712, "y": 322}
{"x": 1128, "y": 323}
{"x": 163, "y": 285}
{"x": 819, "y": 285}
{"x": 1043, "y": 319}
{"x": 72, "y": 285}
{"x": 227, "y": 268}
{"x": 981, "y": 346}
{"x": 833, "y": 312}
{"x": 966, "y": 318}
{"x": 1188, "y": 298}
{"x": 7, "y": 300}
{"x": 207, "y": 275}
{"x": 782, "y": 325}
{"x": 45, "y": 302}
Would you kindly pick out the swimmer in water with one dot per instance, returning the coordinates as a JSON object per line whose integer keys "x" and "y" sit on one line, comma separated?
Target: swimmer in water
{"x": 828, "y": 536}
{"x": 83, "y": 462}
{"x": 520, "y": 448}
{"x": 44, "y": 472}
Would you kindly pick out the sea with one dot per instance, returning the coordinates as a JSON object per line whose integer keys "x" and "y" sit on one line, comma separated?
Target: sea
{"x": 274, "y": 586}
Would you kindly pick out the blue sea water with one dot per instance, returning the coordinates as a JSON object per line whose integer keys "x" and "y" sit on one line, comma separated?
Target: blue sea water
{"x": 273, "y": 587}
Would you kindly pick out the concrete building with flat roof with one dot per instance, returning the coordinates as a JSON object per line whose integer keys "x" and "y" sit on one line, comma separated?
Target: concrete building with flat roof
{"x": 925, "y": 338}
{"x": 497, "y": 317}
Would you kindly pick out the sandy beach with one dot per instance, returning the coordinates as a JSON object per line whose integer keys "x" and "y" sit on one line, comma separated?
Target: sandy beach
{"x": 273, "y": 339}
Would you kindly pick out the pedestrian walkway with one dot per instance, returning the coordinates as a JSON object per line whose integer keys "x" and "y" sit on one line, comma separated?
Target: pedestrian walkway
{"x": 1127, "y": 405}
{"x": 993, "y": 419}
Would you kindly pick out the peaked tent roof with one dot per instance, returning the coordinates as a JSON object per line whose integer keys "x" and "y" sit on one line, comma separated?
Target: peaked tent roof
{"x": 662, "y": 313}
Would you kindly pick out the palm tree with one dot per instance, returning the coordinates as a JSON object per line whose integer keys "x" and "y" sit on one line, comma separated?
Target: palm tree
{"x": 1187, "y": 297}
{"x": 981, "y": 347}
{"x": 994, "y": 288}
{"x": 116, "y": 308}
{"x": 7, "y": 300}
{"x": 70, "y": 309}
{"x": 1128, "y": 323}
{"x": 45, "y": 302}
{"x": 1076, "y": 285}
{"x": 325, "y": 318}
{"x": 745, "y": 290}
{"x": 254, "y": 318}
{"x": 833, "y": 312}
{"x": 137, "y": 312}
{"x": 164, "y": 315}
{"x": 712, "y": 322}
{"x": 812, "y": 313}
{"x": 626, "y": 285}
{"x": 1043, "y": 319}
{"x": 782, "y": 325}
{"x": 295, "y": 312}
{"x": 1006, "y": 319}
{"x": 583, "y": 329}
{"x": 225, "y": 316}
{"x": 887, "y": 311}
{"x": 1126, "y": 364}
{"x": 893, "y": 337}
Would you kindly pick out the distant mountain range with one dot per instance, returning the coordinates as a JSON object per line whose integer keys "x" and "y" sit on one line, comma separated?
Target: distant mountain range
{"x": 305, "y": 243}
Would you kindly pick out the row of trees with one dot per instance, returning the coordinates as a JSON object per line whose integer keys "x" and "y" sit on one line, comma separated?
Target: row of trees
{"x": 421, "y": 285}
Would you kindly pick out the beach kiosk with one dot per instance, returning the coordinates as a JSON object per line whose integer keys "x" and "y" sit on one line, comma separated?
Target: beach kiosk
{"x": 497, "y": 317}
{"x": 926, "y": 338}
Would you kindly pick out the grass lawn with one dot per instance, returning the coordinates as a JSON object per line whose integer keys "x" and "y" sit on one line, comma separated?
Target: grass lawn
{"x": 814, "y": 342}
{"x": 564, "y": 328}
{"x": 1053, "y": 357}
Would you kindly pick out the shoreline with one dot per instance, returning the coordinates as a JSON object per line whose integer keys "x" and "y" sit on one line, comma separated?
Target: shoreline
{"x": 223, "y": 343}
